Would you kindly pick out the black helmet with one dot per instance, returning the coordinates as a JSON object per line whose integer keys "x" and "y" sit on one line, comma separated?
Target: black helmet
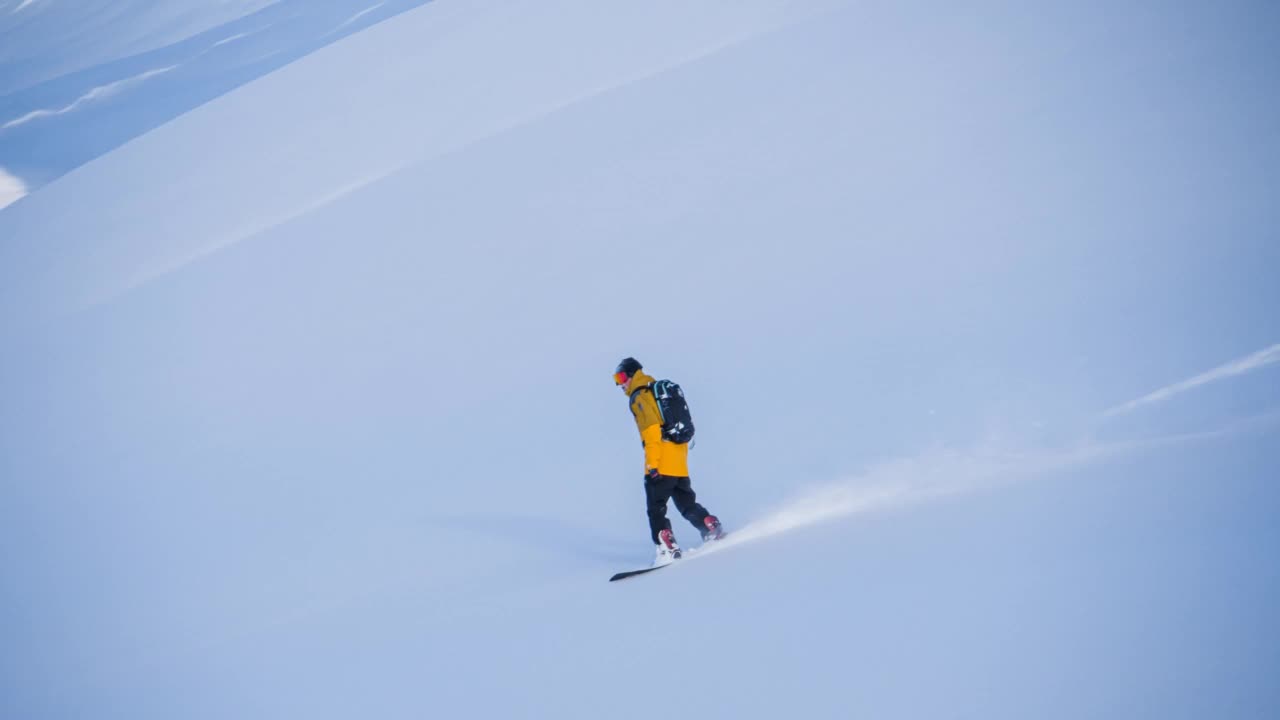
{"x": 628, "y": 366}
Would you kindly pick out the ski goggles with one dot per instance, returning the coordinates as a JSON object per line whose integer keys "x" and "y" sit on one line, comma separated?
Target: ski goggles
{"x": 620, "y": 378}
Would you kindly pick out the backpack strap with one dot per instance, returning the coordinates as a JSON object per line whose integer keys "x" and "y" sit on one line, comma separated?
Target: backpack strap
{"x": 649, "y": 387}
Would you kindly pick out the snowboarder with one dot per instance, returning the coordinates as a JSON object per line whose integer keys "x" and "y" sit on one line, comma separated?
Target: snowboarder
{"x": 666, "y": 462}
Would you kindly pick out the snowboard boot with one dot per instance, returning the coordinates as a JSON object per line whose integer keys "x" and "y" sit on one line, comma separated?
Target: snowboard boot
{"x": 668, "y": 550}
{"x": 712, "y": 530}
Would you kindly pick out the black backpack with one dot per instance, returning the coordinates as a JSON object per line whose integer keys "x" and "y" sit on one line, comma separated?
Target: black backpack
{"x": 677, "y": 423}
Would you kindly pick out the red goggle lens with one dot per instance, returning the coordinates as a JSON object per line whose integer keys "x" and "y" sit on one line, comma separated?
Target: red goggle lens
{"x": 620, "y": 378}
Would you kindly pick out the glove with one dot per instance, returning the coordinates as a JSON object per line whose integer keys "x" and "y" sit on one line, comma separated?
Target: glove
{"x": 651, "y": 474}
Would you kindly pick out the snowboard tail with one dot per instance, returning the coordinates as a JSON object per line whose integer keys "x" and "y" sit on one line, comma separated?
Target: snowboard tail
{"x": 633, "y": 573}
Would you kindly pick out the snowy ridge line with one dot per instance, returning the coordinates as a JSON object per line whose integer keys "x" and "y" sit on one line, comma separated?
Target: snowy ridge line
{"x": 1246, "y": 364}
{"x": 941, "y": 474}
{"x": 354, "y": 18}
{"x": 240, "y": 36}
{"x": 116, "y": 87}
{"x": 100, "y": 92}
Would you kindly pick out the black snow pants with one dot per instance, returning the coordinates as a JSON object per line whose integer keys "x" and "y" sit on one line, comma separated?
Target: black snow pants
{"x": 662, "y": 488}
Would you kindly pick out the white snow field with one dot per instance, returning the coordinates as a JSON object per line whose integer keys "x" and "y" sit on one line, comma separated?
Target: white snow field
{"x": 305, "y": 396}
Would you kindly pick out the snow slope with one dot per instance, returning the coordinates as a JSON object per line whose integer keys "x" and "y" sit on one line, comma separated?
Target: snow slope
{"x": 43, "y": 39}
{"x": 307, "y": 409}
{"x": 137, "y": 65}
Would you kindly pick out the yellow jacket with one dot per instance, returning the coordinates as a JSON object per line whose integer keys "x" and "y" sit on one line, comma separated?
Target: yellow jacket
{"x": 668, "y": 457}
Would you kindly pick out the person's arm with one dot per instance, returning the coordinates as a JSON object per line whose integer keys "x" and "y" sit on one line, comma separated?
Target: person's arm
{"x": 649, "y": 421}
{"x": 652, "y": 437}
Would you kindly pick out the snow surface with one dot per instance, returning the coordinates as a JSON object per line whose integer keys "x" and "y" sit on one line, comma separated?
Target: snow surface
{"x": 12, "y": 189}
{"x": 55, "y": 118}
{"x": 92, "y": 32}
{"x": 307, "y": 409}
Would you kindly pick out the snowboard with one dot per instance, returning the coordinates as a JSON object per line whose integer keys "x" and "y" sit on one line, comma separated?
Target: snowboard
{"x": 688, "y": 552}
{"x": 633, "y": 573}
